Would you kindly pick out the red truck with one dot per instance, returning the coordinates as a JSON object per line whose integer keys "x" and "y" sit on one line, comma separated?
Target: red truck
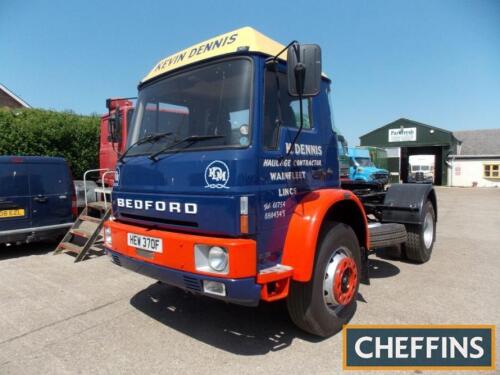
{"x": 113, "y": 137}
{"x": 84, "y": 236}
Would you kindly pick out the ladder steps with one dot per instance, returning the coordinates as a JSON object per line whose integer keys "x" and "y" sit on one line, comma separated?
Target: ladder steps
{"x": 88, "y": 228}
{"x": 101, "y": 206}
{"x": 90, "y": 218}
{"x": 81, "y": 232}
{"x": 69, "y": 247}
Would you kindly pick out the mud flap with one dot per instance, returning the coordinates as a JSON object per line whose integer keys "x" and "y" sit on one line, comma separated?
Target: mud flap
{"x": 365, "y": 276}
{"x": 404, "y": 203}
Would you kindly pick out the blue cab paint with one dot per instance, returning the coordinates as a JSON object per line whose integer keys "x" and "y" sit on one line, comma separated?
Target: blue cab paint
{"x": 273, "y": 184}
{"x": 236, "y": 181}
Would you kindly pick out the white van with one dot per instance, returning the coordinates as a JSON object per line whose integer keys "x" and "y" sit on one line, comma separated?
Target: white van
{"x": 421, "y": 168}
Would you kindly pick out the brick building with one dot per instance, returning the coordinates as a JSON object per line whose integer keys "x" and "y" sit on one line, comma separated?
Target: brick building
{"x": 11, "y": 100}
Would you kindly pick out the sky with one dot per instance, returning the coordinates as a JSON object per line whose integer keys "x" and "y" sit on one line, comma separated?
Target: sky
{"x": 436, "y": 62}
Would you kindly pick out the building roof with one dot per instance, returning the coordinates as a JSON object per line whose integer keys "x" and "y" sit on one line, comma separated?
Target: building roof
{"x": 406, "y": 122}
{"x": 246, "y": 38}
{"x": 14, "y": 96}
{"x": 425, "y": 135}
{"x": 479, "y": 142}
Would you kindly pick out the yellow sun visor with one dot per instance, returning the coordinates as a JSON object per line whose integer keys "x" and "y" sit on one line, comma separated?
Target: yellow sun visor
{"x": 244, "y": 39}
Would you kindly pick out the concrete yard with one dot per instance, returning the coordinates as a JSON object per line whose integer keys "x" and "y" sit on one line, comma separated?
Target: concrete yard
{"x": 58, "y": 317}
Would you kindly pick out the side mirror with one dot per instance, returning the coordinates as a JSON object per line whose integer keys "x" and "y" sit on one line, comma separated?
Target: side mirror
{"x": 111, "y": 127}
{"x": 343, "y": 142}
{"x": 114, "y": 126}
{"x": 304, "y": 69}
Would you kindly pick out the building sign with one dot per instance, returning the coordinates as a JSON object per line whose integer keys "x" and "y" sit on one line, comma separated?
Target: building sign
{"x": 403, "y": 135}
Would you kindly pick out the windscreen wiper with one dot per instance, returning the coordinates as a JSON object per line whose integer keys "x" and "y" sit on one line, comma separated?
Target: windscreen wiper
{"x": 148, "y": 138}
{"x": 191, "y": 138}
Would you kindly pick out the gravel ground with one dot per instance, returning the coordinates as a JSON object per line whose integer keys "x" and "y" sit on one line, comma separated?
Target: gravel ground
{"x": 58, "y": 317}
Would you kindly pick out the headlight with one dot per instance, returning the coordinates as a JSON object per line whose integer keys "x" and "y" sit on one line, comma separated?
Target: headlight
{"x": 217, "y": 258}
{"x": 211, "y": 259}
{"x": 107, "y": 236}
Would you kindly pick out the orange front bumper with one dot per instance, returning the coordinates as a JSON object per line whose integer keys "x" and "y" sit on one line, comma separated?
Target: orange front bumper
{"x": 178, "y": 250}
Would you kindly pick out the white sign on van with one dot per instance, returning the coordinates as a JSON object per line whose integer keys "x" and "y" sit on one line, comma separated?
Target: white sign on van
{"x": 403, "y": 135}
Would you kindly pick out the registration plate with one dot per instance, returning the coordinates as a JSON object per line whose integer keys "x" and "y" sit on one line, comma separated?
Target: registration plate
{"x": 145, "y": 243}
{"x": 12, "y": 213}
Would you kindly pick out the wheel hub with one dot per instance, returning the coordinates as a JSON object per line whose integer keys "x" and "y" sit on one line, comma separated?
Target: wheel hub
{"x": 341, "y": 279}
{"x": 345, "y": 281}
{"x": 428, "y": 230}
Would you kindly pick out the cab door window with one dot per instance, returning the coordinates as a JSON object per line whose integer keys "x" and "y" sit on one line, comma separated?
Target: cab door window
{"x": 281, "y": 106}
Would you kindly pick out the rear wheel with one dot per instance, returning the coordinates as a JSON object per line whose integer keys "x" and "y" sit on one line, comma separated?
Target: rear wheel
{"x": 322, "y": 305}
{"x": 421, "y": 238}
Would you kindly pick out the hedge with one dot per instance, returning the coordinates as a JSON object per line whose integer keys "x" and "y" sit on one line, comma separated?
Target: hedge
{"x": 48, "y": 133}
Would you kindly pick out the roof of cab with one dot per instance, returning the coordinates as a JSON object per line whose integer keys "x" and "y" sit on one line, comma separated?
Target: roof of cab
{"x": 8, "y": 159}
{"x": 358, "y": 152}
{"x": 244, "y": 39}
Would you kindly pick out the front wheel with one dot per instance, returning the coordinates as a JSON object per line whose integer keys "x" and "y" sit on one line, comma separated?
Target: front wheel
{"x": 328, "y": 301}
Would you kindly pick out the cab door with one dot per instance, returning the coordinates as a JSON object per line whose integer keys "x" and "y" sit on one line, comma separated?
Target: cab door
{"x": 310, "y": 166}
{"x": 15, "y": 203}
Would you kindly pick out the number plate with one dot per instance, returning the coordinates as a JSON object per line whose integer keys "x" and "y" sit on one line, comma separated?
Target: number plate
{"x": 145, "y": 243}
{"x": 11, "y": 213}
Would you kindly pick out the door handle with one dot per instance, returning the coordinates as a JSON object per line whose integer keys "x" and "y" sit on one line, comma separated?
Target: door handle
{"x": 41, "y": 199}
{"x": 320, "y": 173}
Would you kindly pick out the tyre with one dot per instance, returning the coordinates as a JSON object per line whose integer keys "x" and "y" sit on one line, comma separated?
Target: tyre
{"x": 328, "y": 301}
{"x": 421, "y": 238}
{"x": 386, "y": 235}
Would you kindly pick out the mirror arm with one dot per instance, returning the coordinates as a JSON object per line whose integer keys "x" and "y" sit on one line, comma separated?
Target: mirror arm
{"x": 299, "y": 71}
{"x": 273, "y": 61}
{"x": 283, "y": 50}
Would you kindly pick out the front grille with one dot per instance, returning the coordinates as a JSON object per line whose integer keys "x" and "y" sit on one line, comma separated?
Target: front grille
{"x": 161, "y": 221}
{"x": 378, "y": 176}
{"x": 116, "y": 260}
{"x": 192, "y": 284}
{"x": 144, "y": 253}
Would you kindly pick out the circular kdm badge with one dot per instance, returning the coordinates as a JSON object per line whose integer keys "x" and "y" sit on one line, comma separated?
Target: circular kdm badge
{"x": 217, "y": 175}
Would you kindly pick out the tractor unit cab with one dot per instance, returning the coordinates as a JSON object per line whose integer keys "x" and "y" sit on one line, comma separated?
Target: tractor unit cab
{"x": 363, "y": 168}
{"x": 232, "y": 151}
{"x": 113, "y": 135}
{"x": 230, "y": 183}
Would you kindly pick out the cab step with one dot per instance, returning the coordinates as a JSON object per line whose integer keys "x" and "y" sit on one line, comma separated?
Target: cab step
{"x": 275, "y": 282}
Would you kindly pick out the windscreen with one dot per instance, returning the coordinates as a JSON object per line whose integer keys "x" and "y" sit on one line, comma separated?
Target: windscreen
{"x": 364, "y": 162}
{"x": 213, "y": 100}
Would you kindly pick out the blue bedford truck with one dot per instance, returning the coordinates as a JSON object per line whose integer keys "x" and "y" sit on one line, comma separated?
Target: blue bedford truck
{"x": 240, "y": 197}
